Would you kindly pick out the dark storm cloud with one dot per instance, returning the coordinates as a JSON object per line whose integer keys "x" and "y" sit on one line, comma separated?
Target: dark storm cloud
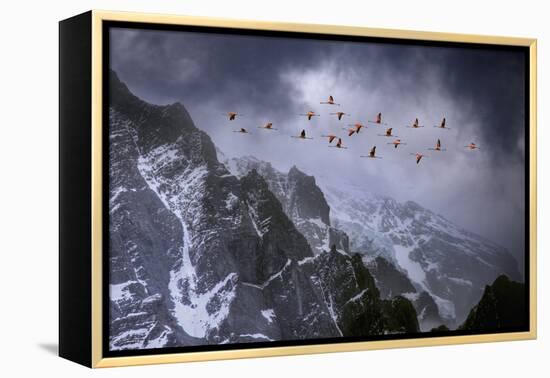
{"x": 170, "y": 66}
{"x": 495, "y": 81}
{"x": 275, "y": 79}
{"x": 204, "y": 66}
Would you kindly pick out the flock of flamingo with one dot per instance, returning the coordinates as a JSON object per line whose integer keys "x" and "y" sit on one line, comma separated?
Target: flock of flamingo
{"x": 354, "y": 130}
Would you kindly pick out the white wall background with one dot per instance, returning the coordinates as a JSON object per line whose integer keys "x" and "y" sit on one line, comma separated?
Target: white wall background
{"x": 28, "y": 186}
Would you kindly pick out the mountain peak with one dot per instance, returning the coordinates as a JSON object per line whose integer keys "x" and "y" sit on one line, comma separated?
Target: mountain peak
{"x": 295, "y": 172}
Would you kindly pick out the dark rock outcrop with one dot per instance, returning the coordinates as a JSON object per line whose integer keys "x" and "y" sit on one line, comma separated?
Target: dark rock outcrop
{"x": 302, "y": 200}
{"x": 390, "y": 281}
{"x": 400, "y": 316}
{"x": 502, "y": 306}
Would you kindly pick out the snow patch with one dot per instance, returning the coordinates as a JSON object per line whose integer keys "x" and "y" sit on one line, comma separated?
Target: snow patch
{"x": 271, "y": 278}
{"x": 120, "y": 292}
{"x": 231, "y": 201}
{"x": 411, "y": 296}
{"x": 413, "y": 268}
{"x": 161, "y": 340}
{"x": 461, "y": 281}
{"x": 445, "y": 306}
{"x": 257, "y": 336}
{"x": 192, "y": 312}
{"x": 306, "y": 260}
{"x": 269, "y": 314}
{"x": 357, "y": 296}
{"x": 195, "y": 311}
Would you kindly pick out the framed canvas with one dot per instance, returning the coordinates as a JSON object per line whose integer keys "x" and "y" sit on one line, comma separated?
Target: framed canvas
{"x": 236, "y": 189}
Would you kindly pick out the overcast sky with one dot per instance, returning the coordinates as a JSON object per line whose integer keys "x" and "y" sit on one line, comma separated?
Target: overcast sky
{"x": 479, "y": 91}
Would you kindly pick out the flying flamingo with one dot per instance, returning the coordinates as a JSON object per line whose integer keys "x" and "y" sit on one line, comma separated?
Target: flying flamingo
{"x": 233, "y": 115}
{"x": 372, "y": 154}
{"x": 442, "y": 125}
{"x": 419, "y": 157}
{"x": 339, "y": 144}
{"x": 268, "y": 126}
{"x": 472, "y": 146}
{"x": 340, "y": 114}
{"x": 330, "y": 137}
{"x": 241, "y": 130}
{"x": 356, "y": 128}
{"x": 310, "y": 114}
{"x": 437, "y": 147}
{"x": 301, "y": 136}
{"x": 330, "y": 101}
{"x": 415, "y": 124}
{"x": 378, "y": 119}
{"x": 397, "y": 142}
{"x": 388, "y": 133}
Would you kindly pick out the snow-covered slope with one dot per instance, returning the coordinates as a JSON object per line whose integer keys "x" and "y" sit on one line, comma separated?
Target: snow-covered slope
{"x": 450, "y": 263}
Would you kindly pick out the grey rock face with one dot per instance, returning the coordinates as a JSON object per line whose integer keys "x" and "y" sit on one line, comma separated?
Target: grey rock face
{"x": 428, "y": 312}
{"x": 349, "y": 291}
{"x": 199, "y": 256}
{"x": 302, "y": 200}
{"x": 392, "y": 283}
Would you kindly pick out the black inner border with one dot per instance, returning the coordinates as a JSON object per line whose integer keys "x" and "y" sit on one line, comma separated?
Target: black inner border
{"x": 107, "y": 25}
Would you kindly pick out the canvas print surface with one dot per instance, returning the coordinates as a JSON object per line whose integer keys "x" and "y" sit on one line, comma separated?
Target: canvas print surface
{"x": 268, "y": 188}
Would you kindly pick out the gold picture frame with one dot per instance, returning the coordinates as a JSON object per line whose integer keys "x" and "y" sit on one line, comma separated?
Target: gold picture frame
{"x": 96, "y": 20}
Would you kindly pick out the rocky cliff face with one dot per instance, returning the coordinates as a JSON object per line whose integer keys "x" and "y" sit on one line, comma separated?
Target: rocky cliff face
{"x": 394, "y": 283}
{"x": 200, "y": 256}
{"x": 302, "y": 200}
{"x": 389, "y": 280}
